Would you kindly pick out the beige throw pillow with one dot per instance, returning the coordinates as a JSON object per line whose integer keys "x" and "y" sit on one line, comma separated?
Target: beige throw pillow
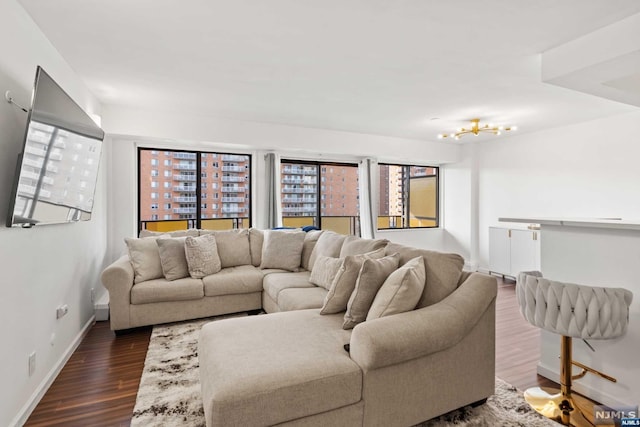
{"x": 354, "y": 245}
{"x": 282, "y": 249}
{"x": 345, "y": 281}
{"x": 202, "y": 256}
{"x": 310, "y": 241}
{"x": 233, "y": 246}
{"x": 329, "y": 244}
{"x": 370, "y": 278}
{"x": 401, "y": 291}
{"x": 325, "y": 270}
{"x": 172, "y": 257}
{"x": 145, "y": 259}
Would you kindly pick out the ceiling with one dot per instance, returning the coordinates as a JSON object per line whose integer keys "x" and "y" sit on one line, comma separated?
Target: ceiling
{"x": 406, "y": 68}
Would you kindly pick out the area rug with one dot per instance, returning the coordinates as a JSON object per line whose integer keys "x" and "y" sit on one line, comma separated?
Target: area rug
{"x": 169, "y": 393}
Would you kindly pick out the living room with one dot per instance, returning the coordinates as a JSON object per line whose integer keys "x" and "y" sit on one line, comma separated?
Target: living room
{"x": 581, "y": 163}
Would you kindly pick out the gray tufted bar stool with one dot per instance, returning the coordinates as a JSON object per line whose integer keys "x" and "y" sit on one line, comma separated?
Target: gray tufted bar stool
{"x": 572, "y": 311}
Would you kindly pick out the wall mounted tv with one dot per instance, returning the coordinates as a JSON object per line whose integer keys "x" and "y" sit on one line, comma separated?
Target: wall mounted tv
{"x": 57, "y": 169}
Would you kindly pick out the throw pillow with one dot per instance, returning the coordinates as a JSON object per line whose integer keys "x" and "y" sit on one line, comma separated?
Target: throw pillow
{"x": 354, "y": 245}
{"x": 325, "y": 270}
{"x": 370, "y": 278}
{"x": 172, "y": 257}
{"x": 310, "y": 241}
{"x": 401, "y": 291}
{"x": 345, "y": 281}
{"x": 202, "y": 256}
{"x": 329, "y": 244}
{"x": 282, "y": 249}
{"x": 233, "y": 246}
{"x": 145, "y": 259}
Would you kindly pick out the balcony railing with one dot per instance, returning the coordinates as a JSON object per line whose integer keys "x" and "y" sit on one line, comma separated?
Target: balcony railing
{"x": 349, "y": 225}
{"x": 299, "y": 171}
{"x": 233, "y": 210}
{"x": 233, "y": 169}
{"x": 233, "y": 189}
{"x": 227, "y": 223}
{"x": 184, "y": 156}
{"x": 306, "y": 180}
{"x": 234, "y": 158}
{"x": 185, "y": 167}
{"x": 184, "y": 210}
{"x": 185, "y": 189}
{"x": 233, "y": 179}
{"x": 290, "y": 199}
{"x": 185, "y": 199}
{"x": 184, "y": 177}
{"x": 298, "y": 190}
{"x": 299, "y": 209}
{"x": 233, "y": 200}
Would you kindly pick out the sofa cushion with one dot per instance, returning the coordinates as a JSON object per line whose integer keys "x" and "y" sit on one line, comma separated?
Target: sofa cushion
{"x": 310, "y": 241}
{"x": 370, "y": 278}
{"x": 145, "y": 259}
{"x": 325, "y": 270}
{"x": 233, "y": 246}
{"x": 282, "y": 249}
{"x": 329, "y": 244}
{"x": 172, "y": 257}
{"x": 354, "y": 245}
{"x": 256, "y": 239}
{"x": 345, "y": 281}
{"x": 243, "y": 279}
{"x": 274, "y": 283}
{"x": 202, "y": 255}
{"x": 162, "y": 290}
{"x": 290, "y": 299}
{"x": 177, "y": 233}
{"x": 443, "y": 271}
{"x": 300, "y": 370}
{"x": 401, "y": 291}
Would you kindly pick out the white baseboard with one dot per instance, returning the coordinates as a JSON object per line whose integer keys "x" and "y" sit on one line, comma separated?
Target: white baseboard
{"x": 590, "y": 392}
{"x": 101, "y": 308}
{"x": 40, "y": 391}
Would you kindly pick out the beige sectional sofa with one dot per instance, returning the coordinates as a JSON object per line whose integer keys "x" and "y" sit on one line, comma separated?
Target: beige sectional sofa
{"x": 298, "y": 365}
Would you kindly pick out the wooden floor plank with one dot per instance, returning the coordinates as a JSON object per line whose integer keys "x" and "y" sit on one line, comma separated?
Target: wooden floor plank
{"x": 99, "y": 383}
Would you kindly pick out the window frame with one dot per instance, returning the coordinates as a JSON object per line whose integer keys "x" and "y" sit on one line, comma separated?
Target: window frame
{"x": 407, "y": 197}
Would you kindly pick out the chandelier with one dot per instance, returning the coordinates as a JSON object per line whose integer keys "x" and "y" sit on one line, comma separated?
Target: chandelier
{"x": 476, "y": 129}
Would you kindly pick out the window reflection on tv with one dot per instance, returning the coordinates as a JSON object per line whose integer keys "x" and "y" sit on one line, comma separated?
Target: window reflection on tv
{"x": 58, "y": 167}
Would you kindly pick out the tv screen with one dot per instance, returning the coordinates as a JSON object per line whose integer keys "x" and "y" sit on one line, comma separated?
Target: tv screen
{"x": 58, "y": 168}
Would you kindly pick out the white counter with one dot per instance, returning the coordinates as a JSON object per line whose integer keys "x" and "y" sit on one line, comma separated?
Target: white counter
{"x": 595, "y": 252}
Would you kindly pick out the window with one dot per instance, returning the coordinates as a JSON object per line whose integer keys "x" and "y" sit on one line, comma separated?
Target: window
{"x": 154, "y": 206}
{"x": 186, "y": 179}
{"x": 408, "y": 196}
{"x": 301, "y": 196}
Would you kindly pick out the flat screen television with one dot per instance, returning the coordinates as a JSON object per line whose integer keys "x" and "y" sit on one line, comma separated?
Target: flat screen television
{"x": 57, "y": 169}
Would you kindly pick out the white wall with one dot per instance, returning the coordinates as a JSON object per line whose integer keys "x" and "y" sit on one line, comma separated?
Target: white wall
{"x": 45, "y": 266}
{"x": 589, "y": 169}
{"x": 176, "y": 130}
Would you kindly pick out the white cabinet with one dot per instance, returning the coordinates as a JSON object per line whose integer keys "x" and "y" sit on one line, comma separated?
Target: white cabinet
{"x": 513, "y": 250}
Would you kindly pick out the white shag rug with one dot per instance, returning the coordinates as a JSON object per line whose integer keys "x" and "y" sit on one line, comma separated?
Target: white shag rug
{"x": 169, "y": 393}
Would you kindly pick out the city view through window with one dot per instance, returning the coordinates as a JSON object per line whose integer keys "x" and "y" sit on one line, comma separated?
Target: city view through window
{"x": 187, "y": 189}
{"x": 180, "y": 190}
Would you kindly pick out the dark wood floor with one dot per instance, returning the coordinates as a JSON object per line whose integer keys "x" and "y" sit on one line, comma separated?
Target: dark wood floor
{"x": 98, "y": 385}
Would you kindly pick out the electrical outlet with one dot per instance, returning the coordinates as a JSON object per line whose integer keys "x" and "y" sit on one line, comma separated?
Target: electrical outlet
{"x": 32, "y": 363}
{"x": 62, "y": 311}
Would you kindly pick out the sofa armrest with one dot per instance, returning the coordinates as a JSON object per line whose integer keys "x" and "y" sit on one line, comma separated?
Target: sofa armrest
{"x": 118, "y": 279}
{"x": 418, "y": 333}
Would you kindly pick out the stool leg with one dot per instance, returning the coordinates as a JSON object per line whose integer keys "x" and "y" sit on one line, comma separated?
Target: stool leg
{"x": 566, "y": 355}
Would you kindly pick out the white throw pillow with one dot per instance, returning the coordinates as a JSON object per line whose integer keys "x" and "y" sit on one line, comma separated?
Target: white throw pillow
{"x": 370, "y": 278}
{"x": 145, "y": 259}
{"x": 325, "y": 270}
{"x": 202, "y": 256}
{"x": 173, "y": 258}
{"x": 282, "y": 249}
{"x": 401, "y": 291}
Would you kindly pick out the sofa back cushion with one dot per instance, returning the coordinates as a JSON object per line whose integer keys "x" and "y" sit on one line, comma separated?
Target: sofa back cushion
{"x": 354, "y": 245}
{"x": 256, "y": 239}
{"x": 329, "y": 244}
{"x": 233, "y": 246}
{"x": 443, "y": 271}
{"x": 282, "y": 249}
{"x": 145, "y": 259}
{"x": 177, "y": 233}
{"x": 310, "y": 241}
